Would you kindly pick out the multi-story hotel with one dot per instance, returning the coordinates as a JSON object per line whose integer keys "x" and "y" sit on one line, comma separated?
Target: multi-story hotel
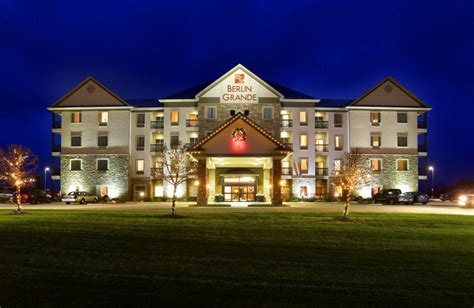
{"x": 253, "y": 140}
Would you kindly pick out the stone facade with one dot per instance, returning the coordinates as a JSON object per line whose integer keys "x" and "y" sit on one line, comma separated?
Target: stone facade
{"x": 223, "y": 114}
{"x": 90, "y": 179}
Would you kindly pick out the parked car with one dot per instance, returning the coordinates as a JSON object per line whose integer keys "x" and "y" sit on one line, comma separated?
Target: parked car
{"x": 466, "y": 200}
{"x": 407, "y": 198}
{"x": 387, "y": 196}
{"x": 81, "y": 197}
{"x": 33, "y": 196}
{"x": 6, "y": 196}
{"x": 422, "y": 198}
{"x": 452, "y": 195}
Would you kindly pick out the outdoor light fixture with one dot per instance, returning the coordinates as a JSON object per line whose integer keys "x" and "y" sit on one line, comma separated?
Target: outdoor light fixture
{"x": 431, "y": 168}
{"x": 45, "y": 171}
{"x": 196, "y": 183}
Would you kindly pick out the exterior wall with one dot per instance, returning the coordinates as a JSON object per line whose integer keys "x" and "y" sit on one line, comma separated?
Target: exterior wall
{"x": 89, "y": 178}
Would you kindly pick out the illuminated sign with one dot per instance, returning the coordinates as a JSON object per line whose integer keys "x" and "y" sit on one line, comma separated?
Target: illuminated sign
{"x": 239, "y": 92}
{"x": 239, "y": 140}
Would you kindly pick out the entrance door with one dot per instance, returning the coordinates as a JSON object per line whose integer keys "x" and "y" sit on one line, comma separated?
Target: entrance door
{"x": 239, "y": 188}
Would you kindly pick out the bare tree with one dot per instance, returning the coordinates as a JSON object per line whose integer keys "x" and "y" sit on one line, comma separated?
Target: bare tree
{"x": 177, "y": 167}
{"x": 18, "y": 168}
{"x": 351, "y": 175}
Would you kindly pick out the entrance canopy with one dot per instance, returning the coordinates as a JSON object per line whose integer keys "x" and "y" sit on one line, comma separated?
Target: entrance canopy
{"x": 240, "y": 136}
{"x": 239, "y": 162}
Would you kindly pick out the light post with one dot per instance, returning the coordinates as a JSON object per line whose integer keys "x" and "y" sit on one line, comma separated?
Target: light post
{"x": 45, "y": 171}
{"x": 431, "y": 168}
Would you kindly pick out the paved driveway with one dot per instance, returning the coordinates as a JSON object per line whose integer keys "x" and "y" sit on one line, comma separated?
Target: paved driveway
{"x": 435, "y": 207}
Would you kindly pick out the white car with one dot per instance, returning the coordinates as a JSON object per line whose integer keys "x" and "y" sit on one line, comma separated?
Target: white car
{"x": 466, "y": 200}
{"x": 81, "y": 197}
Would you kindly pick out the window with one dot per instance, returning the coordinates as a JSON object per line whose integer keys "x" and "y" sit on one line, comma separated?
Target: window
{"x": 103, "y": 141}
{"x": 103, "y": 164}
{"x": 337, "y": 165}
{"x": 246, "y": 112}
{"x": 375, "y": 141}
{"x": 375, "y": 118}
{"x": 268, "y": 113}
{"x": 76, "y": 139}
{"x": 303, "y": 118}
{"x": 402, "y": 140}
{"x": 76, "y": 164}
{"x": 76, "y": 117}
{"x": 140, "y": 166}
{"x": 103, "y": 118}
{"x": 174, "y": 140}
{"x": 140, "y": 143}
{"x": 402, "y": 164}
{"x": 304, "y": 165}
{"x": 232, "y": 113}
{"x": 193, "y": 140}
{"x": 338, "y": 143}
{"x": 337, "y": 120}
{"x": 210, "y": 113}
{"x": 375, "y": 164}
{"x": 303, "y": 141}
{"x": 174, "y": 118}
{"x": 141, "y": 120}
{"x": 402, "y": 117}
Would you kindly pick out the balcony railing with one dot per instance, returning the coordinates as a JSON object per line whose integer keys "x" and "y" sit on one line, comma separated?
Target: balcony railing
{"x": 56, "y": 148}
{"x": 321, "y": 148}
{"x": 321, "y": 171}
{"x": 422, "y": 148}
{"x": 57, "y": 124}
{"x": 287, "y": 171}
{"x": 157, "y": 124}
{"x": 192, "y": 123}
{"x": 286, "y": 123}
{"x": 156, "y": 172}
{"x": 321, "y": 124}
{"x": 422, "y": 124}
{"x": 156, "y": 147}
{"x": 290, "y": 145}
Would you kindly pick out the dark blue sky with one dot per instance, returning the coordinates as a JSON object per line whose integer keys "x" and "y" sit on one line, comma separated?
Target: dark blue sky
{"x": 329, "y": 49}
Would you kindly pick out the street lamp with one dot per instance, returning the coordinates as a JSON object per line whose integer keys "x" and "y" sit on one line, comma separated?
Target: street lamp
{"x": 45, "y": 171}
{"x": 431, "y": 168}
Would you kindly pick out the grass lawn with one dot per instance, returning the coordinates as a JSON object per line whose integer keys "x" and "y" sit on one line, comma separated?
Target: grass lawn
{"x": 241, "y": 259}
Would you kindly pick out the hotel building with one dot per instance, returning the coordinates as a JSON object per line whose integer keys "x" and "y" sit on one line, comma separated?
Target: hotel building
{"x": 253, "y": 139}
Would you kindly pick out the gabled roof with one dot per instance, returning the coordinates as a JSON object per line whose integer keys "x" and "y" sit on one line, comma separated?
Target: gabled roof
{"x": 119, "y": 100}
{"x": 359, "y": 101}
{"x": 239, "y": 115}
{"x": 192, "y": 92}
{"x": 144, "y": 102}
{"x": 333, "y": 103}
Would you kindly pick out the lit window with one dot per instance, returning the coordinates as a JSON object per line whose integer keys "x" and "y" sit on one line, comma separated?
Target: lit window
{"x": 210, "y": 112}
{"x": 376, "y": 164}
{"x": 338, "y": 143}
{"x": 175, "y": 118}
{"x": 375, "y": 141}
{"x": 140, "y": 166}
{"x": 402, "y": 140}
{"x": 76, "y": 117}
{"x": 375, "y": 118}
{"x": 268, "y": 113}
{"x": 141, "y": 120}
{"x": 337, "y": 120}
{"x": 76, "y": 164}
{"x": 402, "y": 117}
{"x": 337, "y": 165}
{"x": 303, "y": 118}
{"x": 102, "y": 164}
{"x": 402, "y": 164}
{"x": 103, "y": 141}
{"x": 303, "y": 141}
{"x": 193, "y": 120}
{"x": 304, "y": 165}
{"x": 103, "y": 118}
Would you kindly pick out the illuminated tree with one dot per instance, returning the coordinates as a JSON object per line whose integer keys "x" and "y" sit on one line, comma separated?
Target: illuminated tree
{"x": 177, "y": 167}
{"x": 18, "y": 168}
{"x": 352, "y": 174}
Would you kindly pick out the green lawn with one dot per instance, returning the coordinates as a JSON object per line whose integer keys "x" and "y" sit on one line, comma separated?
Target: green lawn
{"x": 241, "y": 259}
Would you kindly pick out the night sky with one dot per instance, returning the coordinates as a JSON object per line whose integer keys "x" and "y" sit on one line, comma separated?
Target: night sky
{"x": 328, "y": 49}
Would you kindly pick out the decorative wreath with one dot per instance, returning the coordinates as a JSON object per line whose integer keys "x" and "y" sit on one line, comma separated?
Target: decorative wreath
{"x": 239, "y": 134}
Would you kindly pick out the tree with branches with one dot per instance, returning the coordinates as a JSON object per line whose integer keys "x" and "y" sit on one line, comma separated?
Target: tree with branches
{"x": 18, "y": 168}
{"x": 177, "y": 167}
{"x": 351, "y": 175}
